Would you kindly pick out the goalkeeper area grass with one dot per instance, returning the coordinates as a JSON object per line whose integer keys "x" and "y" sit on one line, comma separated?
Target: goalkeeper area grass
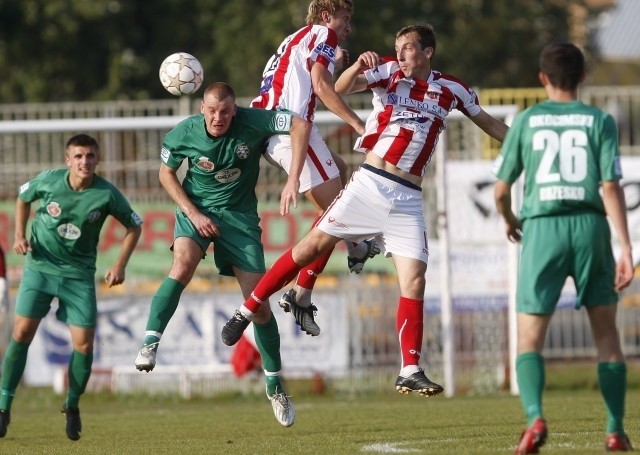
{"x": 383, "y": 423}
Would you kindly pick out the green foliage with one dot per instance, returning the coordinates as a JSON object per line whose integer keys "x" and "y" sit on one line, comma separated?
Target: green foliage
{"x": 369, "y": 424}
{"x": 77, "y": 50}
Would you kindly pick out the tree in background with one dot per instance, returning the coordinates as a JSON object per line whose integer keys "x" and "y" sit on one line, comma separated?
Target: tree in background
{"x": 76, "y": 50}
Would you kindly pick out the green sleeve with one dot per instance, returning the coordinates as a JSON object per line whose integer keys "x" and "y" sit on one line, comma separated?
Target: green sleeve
{"x": 30, "y": 191}
{"x": 121, "y": 210}
{"x": 510, "y": 162}
{"x": 610, "y": 168}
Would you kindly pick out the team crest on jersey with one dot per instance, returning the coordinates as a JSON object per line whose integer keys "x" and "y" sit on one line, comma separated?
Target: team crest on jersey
{"x": 433, "y": 95}
{"x": 204, "y": 164}
{"x": 69, "y": 231}
{"x": 94, "y": 216}
{"x": 243, "y": 151}
{"x": 227, "y": 175}
{"x": 53, "y": 209}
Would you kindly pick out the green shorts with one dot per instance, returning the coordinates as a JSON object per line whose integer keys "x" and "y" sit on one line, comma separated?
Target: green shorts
{"x": 557, "y": 247}
{"x": 76, "y": 298}
{"x": 237, "y": 245}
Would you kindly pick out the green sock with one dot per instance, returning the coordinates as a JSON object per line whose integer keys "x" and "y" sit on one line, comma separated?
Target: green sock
{"x": 150, "y": 339}
{"x": 15, "y": 359}
{"x": 164, "y": 304}
{"x": 79, "y": 372}
{"x": 268, "y": 343}
{"x": 612, "y": 377}
{"x": 531, "y": 379}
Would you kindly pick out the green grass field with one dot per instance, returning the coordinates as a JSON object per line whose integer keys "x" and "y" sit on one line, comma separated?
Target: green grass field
{"x": 384, "y": 423}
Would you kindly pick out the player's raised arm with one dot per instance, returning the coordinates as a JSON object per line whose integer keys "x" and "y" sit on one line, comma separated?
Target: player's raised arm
{"x": 352, "y": 80}
{"x": 300, "y": 133}
{"x": 324, "y": 88}
{"x": 495, "y": 128}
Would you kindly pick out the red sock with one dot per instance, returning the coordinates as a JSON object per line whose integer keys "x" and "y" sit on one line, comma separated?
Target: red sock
{"x": 309, "y": 274}
{"x": 280, "y": 273}
{"x": 409, "y": 324}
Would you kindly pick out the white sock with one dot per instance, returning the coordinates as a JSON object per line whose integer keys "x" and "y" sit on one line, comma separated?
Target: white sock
{"x": 303, "y": 296}
{"x": 407, "y": 371}
{"x": 247, "y": 313}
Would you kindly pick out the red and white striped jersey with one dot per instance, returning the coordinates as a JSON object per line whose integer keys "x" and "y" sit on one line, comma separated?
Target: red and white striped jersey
{"x": 409, "y": 115}
{"x": 286, "y": 79}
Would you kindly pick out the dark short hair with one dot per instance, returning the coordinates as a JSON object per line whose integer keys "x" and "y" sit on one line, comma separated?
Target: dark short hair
{"x": 426, "y": 35}
{"x": 82, "y": 140}
{"x": 563, "y": 63}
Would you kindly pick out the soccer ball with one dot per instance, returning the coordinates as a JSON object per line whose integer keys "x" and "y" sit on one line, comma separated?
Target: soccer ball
{"x": 181, "y": 74}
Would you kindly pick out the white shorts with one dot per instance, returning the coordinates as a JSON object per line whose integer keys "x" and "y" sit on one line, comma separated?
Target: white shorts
{"x": 318, "y": 167}
{"x": 378, "y": 204}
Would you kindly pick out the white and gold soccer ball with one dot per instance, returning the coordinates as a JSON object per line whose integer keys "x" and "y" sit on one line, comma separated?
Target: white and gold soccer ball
{"x": 181, "y": 74}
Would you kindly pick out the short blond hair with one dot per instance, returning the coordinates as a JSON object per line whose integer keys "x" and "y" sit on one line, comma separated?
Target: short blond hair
{"x": 220, "y": 91}
{"x": 316, "y": 7}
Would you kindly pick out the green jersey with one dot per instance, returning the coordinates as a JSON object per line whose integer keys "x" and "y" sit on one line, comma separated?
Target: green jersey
{"x": 66, "y": 228}
{"x": 566, "y": 150}
{"x": 222, "y": 172}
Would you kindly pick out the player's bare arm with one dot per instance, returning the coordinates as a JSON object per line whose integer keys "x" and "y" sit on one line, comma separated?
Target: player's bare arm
{"x": 300, "y": 132}
{"x": 20, "y": 243}
{"x": 615, "y": 206}
{"x": 495, "y": 128}
{"x": 169, "y": 181}
{"x": 513, "y": 227}
{"x": 324, "y": 88}
{"x": 116, "y": 274}
{"x": 351, "y": 80}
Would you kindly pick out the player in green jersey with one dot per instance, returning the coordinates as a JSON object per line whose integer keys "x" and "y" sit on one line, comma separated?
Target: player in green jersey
{"x": 567, "y": 150}
{"x": 217, "y": 204}
{"x": 61, "y": 263}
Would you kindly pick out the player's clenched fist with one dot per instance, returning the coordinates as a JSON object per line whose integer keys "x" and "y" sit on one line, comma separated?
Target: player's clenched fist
{"x": 369, "y": 59}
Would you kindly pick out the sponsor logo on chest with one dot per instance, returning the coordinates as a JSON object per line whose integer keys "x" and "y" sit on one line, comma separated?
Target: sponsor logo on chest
{"x": 227, "y": 175}
{"x": 69, "y": 231}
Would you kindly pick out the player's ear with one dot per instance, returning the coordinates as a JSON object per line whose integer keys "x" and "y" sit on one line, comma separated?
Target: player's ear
{"x": 543, "y": 78}
{"x": 326, "y": 17}
{"x": 202, "y": 106}
{"x": 428, "y": 52}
